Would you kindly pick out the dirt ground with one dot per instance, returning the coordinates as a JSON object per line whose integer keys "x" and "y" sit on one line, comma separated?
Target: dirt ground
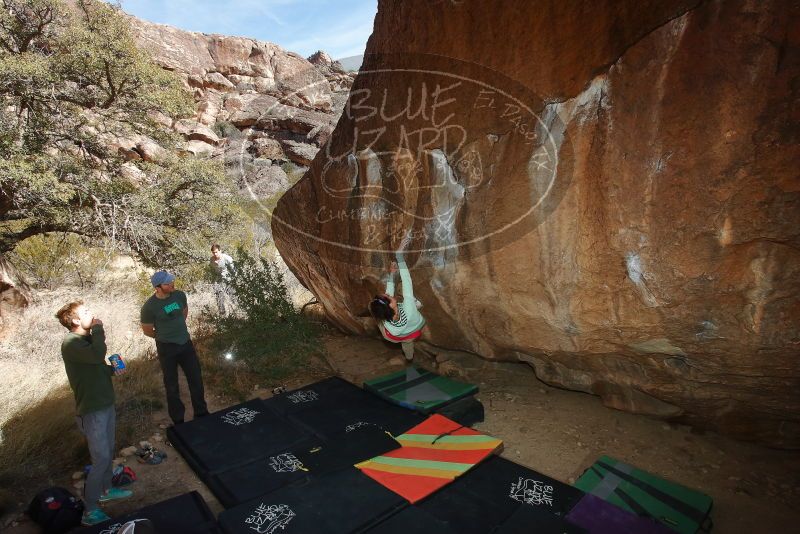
{"x": 556, "y": 432}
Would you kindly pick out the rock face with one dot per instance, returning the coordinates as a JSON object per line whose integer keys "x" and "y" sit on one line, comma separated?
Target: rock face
{"x": 14, "y": 294}
{"x": 258, "y": 106}
{"x": 332, "y": 70}
{"x": 609, "y": 193}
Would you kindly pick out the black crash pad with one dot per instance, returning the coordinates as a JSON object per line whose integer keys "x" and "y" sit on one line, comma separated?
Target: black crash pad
{"x": 307, "y": 458}
{"x": 341, "y": 502}
{"x": 332, "y": 407}
{"x": 411, "y": 520}
{"x": 467, "y": 411}
{"x": 240, "y": 484}
{"x": 487, "y": 496}
{"x": 234, "y": 436}
{"x": 187, "y": 513}
{"x": 331, "y": 390}
{"x": 529, "y": 519}
{"x": 350, "y": 448}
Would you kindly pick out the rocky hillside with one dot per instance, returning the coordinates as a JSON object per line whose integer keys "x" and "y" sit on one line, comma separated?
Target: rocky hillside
{"x": 605, "y": 190}
{"x": 262, "y": 108}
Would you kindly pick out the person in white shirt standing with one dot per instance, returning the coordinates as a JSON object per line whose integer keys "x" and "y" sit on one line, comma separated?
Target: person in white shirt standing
{"x": 222, "y": 265}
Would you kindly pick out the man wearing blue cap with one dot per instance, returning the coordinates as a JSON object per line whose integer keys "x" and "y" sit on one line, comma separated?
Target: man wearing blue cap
{"x": 163, "y": 318}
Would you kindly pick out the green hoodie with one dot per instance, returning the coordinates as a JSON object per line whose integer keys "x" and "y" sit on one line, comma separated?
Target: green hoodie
{"x": 89, "y": 375}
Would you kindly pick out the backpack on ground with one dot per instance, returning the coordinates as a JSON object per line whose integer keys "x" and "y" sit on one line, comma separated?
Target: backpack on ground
{"x": 56, "y": 510}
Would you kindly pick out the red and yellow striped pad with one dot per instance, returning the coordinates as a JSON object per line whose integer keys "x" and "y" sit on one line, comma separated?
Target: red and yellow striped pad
{"x": 432, "y": 455}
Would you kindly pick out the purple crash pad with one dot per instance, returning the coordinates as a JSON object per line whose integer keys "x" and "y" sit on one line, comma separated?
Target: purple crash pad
{"x": 600, "y": 517}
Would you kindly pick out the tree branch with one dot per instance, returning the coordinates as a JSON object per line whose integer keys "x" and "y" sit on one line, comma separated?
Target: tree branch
{"x": 12, "y": 232}
{"x": 112, "y": 91}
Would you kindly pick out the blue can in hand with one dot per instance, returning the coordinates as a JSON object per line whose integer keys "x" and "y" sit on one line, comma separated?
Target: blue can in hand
{"x": 116, "y": 362}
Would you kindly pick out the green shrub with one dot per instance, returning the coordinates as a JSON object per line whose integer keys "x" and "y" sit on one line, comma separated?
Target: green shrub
{"x": 227, "y": 129}
{"x": 53, "y": 260}
{"x": 293, "y": 171}
{"x": 288, "y": 167}
{"x": 266, "y": 334}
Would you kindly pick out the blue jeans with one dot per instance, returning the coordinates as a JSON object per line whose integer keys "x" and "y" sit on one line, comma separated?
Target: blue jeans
{"x": 98, "y": 427}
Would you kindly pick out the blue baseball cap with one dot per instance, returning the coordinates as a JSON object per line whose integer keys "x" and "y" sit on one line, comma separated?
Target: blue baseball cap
{"x": 161, "y": 277}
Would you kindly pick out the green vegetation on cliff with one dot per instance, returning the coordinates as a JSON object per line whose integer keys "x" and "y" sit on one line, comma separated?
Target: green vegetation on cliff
{"x": 83, "y": 115}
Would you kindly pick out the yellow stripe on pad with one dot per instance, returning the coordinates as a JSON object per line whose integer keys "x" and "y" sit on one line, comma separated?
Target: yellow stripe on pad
{"x": 406, "y": 470}
{"x": 423, "y": 464}
{"x": 485, "y": 445}
{"x": 447, "y": 438}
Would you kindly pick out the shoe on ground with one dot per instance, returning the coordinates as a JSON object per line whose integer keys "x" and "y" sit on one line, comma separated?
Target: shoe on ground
{"x": 150, "y": 456}
{"x": 115, "y": 494}
{"x": 94, "y": 517}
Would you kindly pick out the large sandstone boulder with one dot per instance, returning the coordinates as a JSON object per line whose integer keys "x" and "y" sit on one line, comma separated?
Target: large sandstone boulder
{"x": 608, "y": 192}
{"x": 295, "y": 120}
{"x": 149, "y": 150}
{"x": 322, "y": 60}
{"x": 209, "y": 107}
{"x": 135, "y": 147}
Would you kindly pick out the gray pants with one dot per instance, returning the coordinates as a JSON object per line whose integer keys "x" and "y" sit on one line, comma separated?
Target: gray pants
{"x": 99, "y": 428}
{"x": 224, "y": 293}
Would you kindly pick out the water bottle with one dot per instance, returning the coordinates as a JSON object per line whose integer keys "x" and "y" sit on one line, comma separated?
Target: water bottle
{"x": 116, "y": 362}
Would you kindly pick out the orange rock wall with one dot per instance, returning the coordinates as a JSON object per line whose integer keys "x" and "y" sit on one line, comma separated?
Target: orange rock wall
{"x": 657, "y": 268}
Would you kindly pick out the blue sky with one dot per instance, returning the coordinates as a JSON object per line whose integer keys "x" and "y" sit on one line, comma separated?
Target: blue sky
{"x": 340, "y": 27}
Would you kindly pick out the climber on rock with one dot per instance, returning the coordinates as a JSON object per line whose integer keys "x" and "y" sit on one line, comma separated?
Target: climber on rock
{"x": 399, "y": 322}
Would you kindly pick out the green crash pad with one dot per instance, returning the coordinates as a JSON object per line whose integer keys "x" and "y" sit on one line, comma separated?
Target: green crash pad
{"x": 419, "y": 389}
{"x": 681, "y": 509}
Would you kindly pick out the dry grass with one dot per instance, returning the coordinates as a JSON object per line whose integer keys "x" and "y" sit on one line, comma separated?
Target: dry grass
{"x": 39, "y": 441}
{"x": 30, "y": 355}
{"x": 31, "y": 366}
{"x": 42, "y": 444}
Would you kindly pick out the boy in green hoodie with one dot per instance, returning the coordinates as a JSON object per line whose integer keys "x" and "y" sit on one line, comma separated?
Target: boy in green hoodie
{"x": 84, "y": 353}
